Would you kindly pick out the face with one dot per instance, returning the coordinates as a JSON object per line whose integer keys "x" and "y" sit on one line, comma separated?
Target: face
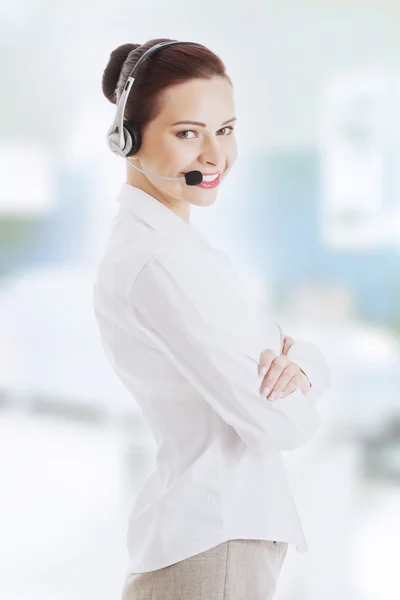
{"x": 172, "y": 150}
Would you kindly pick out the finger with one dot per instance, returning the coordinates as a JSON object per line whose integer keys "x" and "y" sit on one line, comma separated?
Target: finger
{"x": 266, "y": 358}
{"x": 282, "y": 338}
{"x": 287, "y": 344}
{"x": 288, "y": 374}
{"x": 287, "y": 390}
{"x": 304, "y": 382}
{"x": 297, "y": 382}
{"x": 277, "y": 366}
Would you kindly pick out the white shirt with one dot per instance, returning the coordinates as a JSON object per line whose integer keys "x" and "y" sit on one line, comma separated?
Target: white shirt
{"x": 185, "y": 339}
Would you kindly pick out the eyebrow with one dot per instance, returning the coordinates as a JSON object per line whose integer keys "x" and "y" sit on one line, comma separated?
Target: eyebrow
{"x": 201, "y": 124}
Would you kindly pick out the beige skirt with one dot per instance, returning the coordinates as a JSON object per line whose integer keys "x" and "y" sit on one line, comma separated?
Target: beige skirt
{"x": 233, "y": 570}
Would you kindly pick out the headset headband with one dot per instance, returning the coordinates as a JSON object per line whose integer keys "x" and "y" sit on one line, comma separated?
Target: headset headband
{"x": 117, "y": 127}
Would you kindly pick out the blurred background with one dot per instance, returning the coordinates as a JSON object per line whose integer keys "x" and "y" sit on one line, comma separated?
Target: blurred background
{"x": 310, "y": 213}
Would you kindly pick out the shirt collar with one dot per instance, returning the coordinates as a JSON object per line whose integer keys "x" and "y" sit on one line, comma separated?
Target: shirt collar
{"x": 156, "y": 214}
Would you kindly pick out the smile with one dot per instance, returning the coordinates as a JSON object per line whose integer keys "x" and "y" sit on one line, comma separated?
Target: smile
{"x": 210, "y": 181}
{"x": 210, "y": 177}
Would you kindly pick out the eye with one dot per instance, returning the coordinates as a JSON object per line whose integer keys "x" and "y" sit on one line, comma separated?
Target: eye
{"x": 185, "y": 131}
{"x": 181, "y": 135}
{"x": 231, "y": 129}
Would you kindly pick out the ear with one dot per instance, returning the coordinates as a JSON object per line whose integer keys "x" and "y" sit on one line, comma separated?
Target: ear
{"x": 135, "y": 157}
{"x": 134, "y": 161}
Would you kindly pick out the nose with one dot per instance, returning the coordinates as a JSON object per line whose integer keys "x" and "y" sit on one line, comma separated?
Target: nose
{"x": 212, "y": 153}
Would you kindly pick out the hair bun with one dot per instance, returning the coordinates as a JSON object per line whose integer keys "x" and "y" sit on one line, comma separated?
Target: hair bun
{"x": 113, "y": 69}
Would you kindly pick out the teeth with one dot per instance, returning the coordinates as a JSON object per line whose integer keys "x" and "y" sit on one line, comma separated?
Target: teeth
{"x": 210, "y": 177}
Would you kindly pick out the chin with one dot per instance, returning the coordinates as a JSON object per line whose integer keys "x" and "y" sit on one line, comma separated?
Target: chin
{"x": 208, "y": 197}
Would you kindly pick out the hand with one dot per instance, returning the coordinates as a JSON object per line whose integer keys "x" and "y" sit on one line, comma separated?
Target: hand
{"x": 286, "y": 341}
{"x": 281, "y": 376}
{"x": 287, "y": 344}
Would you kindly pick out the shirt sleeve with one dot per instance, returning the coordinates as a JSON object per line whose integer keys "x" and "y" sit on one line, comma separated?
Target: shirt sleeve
{"x": 191, "y": 316}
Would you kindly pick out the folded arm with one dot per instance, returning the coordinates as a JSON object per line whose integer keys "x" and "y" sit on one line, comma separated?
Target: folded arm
{"x": 191, "y": 315}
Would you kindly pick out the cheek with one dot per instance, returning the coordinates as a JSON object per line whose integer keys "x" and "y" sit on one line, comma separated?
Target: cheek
{"x": 175, "y": 152}
{"x": 159, "y": 149}
{"x": 232, "y": 152}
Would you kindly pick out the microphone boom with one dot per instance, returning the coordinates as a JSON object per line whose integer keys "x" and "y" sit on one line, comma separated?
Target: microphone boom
{"x": 190, "y": 178}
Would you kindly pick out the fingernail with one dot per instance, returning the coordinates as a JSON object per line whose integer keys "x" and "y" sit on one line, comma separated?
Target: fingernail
{"x": 265, "y": 392}
{"x": 272, "y": 396}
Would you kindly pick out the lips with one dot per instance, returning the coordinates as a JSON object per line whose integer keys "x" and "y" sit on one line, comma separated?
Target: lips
{"x": 210, "y": 176}
{"x": 210, "y": 184}
{"x": 210, "y": 180}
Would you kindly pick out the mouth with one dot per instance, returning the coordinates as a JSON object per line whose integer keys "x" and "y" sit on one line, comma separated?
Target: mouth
{"x": 208, "y": 177}
{"x": 210, "y": 180}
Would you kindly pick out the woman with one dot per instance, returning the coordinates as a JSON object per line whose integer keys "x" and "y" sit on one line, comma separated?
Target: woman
{"x": 215, "y": 518}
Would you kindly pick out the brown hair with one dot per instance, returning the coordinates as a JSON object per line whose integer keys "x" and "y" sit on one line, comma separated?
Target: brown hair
{"x": 166, "y": 67}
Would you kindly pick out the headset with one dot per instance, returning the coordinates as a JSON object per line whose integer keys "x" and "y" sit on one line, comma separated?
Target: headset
{"x": 123, "y": 137}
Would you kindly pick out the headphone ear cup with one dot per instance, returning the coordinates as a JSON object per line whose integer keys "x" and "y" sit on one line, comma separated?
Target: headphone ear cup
{"x": 132, "y": 138}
